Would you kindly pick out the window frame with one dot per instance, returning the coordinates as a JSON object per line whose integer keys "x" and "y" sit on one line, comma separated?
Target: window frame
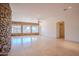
{"x": 27, "y": 24}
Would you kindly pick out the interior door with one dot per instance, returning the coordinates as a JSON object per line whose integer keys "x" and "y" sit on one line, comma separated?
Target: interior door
{"x": 61, "y": 30}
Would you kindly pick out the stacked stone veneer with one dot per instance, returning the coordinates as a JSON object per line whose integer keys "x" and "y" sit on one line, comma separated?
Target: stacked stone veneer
{"x": 5, "y": 28}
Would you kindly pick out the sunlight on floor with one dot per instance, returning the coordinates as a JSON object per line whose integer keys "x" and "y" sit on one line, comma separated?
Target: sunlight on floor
{"x": 23, "y": 40}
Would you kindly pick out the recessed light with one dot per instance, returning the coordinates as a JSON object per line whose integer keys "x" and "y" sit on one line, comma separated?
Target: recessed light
{"x": 69, "y": 7}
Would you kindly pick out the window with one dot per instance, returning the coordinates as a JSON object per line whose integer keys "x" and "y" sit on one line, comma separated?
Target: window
{"x": 34, "y": 29}
{"x": 16, "y": 29}
{"x": 26, "y": 29}
{"x": 23, "y": 28}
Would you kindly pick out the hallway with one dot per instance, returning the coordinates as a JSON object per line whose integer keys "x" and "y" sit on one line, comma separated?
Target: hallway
{"x": 42, "y": 46}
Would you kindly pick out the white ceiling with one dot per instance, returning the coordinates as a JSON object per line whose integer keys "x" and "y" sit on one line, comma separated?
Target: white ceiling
{"x": 39, "y": 10}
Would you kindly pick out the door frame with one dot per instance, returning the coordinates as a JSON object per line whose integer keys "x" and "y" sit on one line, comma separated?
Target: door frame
{"x": 58, "y": 30}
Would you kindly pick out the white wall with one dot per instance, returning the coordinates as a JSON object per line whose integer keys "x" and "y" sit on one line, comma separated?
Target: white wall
{"x": 72, "y": 25}
{"x": 71, "y": 19}
{"x": 48, "y": 28}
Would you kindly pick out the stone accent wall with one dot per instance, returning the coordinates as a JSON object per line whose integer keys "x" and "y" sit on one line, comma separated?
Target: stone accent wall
{"x": 5, "y": 28}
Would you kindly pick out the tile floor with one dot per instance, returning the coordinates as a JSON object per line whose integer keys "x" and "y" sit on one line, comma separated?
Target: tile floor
{"x": 42, "y": 46}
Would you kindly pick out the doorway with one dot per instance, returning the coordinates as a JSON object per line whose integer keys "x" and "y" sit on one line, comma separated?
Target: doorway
{"x": 60, "y": 30}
